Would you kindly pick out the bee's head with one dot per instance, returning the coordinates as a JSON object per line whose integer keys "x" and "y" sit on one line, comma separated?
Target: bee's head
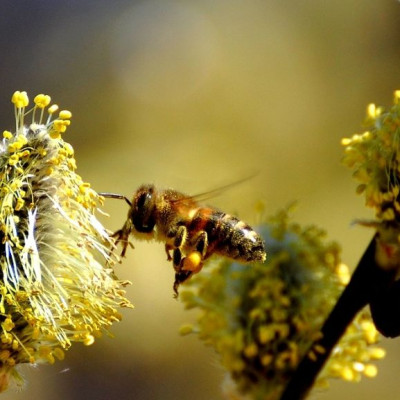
{"x": 143, "y": 207}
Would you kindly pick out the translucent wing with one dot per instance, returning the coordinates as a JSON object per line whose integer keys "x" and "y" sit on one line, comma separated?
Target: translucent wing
{"x": 200, "y": 197}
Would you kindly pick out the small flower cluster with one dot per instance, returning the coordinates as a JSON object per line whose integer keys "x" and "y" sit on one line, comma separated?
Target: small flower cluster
{"x": 261, "y": 319}
{"x": 57, "y": 284}
{"x": 375, "y": 158}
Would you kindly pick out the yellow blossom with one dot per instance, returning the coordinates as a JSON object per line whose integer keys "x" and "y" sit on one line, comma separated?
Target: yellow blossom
{"x": 58, "y": 284}
{"x": 374, "y": 157}
{"x": 263, "y": 318}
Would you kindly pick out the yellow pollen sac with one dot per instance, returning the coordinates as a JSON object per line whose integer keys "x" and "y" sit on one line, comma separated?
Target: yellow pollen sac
{"x": 14, "y": 158}
{"x": 186, "y": 329}
{"x": 7, "y": 135}
{"x": 16, "y": 184}
{"x": 84, "y": 187}
{"x": 71, "y": 164}
{"x": 69, "y": 149}
{"x": 20, "y": 99}
{"x": 58, "y": 353}
{"x": 346, "y": 141}
{"x": 377, "y": 353}
{"x": 347, "y": 374}
{"x": 370, "y": 371}
{"x": 372, "y": 111}
{"x": 59, "y": 125}
{"x": 396, "y": 96}
{"x": 65, "y": 114}
{"x": 8, "y": 324}
{"x": 13, "y": 147}
{"x": 24, "y": 153}
{"x": 52, "y": 109}
{"x": 265, "y": 334}
{"x": 4, "y": 355}
{"x": 343, "y": 273}
{"x": 20, "y": 204}
{"x": 42, "y": 100}
{"x": 89, "y": 340}
{"x": 55, "y": 135}
{"x": 251, "y": 350}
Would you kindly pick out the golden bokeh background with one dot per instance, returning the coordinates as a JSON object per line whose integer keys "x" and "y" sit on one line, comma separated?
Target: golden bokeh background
{"x": 195, "y": 95}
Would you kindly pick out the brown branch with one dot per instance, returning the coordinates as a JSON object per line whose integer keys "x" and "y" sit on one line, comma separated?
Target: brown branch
{"x": 366, "y": 284}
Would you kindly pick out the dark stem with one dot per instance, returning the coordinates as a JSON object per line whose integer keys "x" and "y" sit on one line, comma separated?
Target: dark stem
{"x": 367, "y": 281}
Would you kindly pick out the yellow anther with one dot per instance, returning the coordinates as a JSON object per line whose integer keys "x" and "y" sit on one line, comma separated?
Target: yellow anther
{"x": 89, "y": 340}
{"x": 71, "y": 163}
{"x": 186, "y": 329}
{"x": 346, "y": 141}
{"x": 58, "y": 353}
{"x": 20, "y": 204}
{"x": 52, "y": 109}
{"x": 20, "y": 99}
{"x": 69, "y": 149}
{"x": 347, "y": 374}
{"x": 14, "y": 158}
{"x": 7, "y": 135}
{"x": 24, "y": 153}
{"x": 55, "y": 135}
{"x": 370, "y": 371}
{"x": 49, "y": 171}
{"x": 377, "y": 353}
{"x": 42, "y": 100}
{"x": 13, "y": 147}
{"x": 65, "y": 114}
{"x": 4, "y": 355}
{"x": 59, "y": 125}
{"x": 396, "y": 96}
{"x": 251, "y": 350}
{"x": 8, "y": 324}
{"x": 15, "y": 184}
{"x": 372, "y": 111}
{"x": 343, "y": 273}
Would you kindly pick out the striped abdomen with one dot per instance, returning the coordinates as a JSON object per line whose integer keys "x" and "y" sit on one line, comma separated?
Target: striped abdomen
{"x": 227, "y": 235}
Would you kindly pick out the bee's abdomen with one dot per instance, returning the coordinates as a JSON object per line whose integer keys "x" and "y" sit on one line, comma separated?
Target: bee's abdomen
{"x": 229, "y": 236}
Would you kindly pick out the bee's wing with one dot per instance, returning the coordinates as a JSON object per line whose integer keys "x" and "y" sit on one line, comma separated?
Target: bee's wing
{"x": 200, "y": 197}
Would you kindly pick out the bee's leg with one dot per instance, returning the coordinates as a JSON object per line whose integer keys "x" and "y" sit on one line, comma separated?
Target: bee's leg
{"x": 177, "y": 260}
{"x": 168, "y": 248}
{"x": 180, "y": 237}
{"x": 201, "y": 243}
{"x": 122, "y": 235}
{"x": 181, "y": 277}
{"x": 194, "y": 261}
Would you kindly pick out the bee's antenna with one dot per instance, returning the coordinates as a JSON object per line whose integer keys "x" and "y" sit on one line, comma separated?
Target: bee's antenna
{"x": 116, "y": 196}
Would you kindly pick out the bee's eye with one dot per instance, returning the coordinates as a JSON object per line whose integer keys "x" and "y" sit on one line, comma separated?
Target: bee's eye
{"x": 142, "y": 212}
{"x": 143, "y": 200}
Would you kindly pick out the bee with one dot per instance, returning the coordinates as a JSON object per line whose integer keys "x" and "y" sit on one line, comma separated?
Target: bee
{"x": 192, "y": 232}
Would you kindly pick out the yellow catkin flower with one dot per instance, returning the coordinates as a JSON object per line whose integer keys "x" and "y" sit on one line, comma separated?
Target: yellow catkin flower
{"x": 374, "y": 156}
{"x": 262, "y": 318}
{"x": 58, "y": 284}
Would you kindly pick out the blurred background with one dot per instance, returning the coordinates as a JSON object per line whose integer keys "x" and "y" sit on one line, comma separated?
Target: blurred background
{"x": 195, "y": 95}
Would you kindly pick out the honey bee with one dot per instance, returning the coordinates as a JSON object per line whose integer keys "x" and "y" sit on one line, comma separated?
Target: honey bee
{"x": 191, "y": 232}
